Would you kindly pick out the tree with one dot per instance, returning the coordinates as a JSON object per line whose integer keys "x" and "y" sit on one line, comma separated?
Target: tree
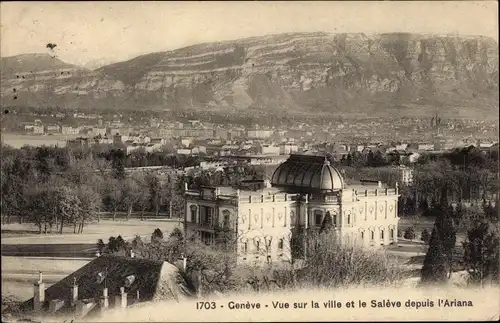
{"x": 100, "y": 245}
{"x": 177, "y": 234}
{"x": 327, "y": 224}
{"x": 157, "y": 235}
{"x": 89, "y": 202}
{"x": 114, "y": 195}
{"x": 438, "y": 260}
{"x": 112, "y": 245}
{"x": 425, "y": 236}
{"x": 481, "y": 252}
{"x": 131, "y": 194}
{"x": 409, "y": 234}
{"x": 118, "y": 158}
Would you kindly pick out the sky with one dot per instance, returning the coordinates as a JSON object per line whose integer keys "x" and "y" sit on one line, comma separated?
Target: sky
{"x": 94, "y": 33}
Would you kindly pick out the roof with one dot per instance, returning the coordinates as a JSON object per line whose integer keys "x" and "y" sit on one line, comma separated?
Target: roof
{"x": 308, "y": 172}
{"x": 155, "y": 280}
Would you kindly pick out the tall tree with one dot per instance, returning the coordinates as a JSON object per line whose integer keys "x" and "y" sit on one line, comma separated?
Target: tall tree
{"x": 438, "y": 260}
{"x": 481, "y": 251}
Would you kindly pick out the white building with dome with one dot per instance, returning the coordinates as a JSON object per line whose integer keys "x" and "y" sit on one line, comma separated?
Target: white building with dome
{"x": 302, "y": 191}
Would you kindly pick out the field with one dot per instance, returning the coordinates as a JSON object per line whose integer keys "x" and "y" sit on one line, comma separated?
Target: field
{"x": 25, "y": 252}
{"x": 26, "y": 233}
{"x": 18, "y": 140}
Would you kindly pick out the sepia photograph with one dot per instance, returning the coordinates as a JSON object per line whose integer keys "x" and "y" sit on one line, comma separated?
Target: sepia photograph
{"x": 237, "y": 161}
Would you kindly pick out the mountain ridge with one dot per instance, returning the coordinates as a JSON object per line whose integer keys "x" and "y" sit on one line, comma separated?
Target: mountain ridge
{"x": 318, "y": 73}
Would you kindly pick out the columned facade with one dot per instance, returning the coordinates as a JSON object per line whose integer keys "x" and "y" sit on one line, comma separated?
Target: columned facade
{"x": 302, "y": 192}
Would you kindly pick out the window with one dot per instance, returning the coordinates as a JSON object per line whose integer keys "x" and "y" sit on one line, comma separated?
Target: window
{"x": 226, "y": 215}
{"x": 269, "y": 242}
{"x": 334, "y": 218}
{"x": 318, "y": 217}
{"x": 245, "y": 247}
{"x": 382, "y": 234}
{"x": 257, "y": 245}
{"x": 206, "y": 238}
{"x": 208, "y": 214}
{"x": 392, "y": 233}
{"x": 373, "y": 235}
{"x": 348, "y": 219}
{"x": 362, "y": 235}
{"x": 193, "y": 213}
{"x": 280, "y": 244}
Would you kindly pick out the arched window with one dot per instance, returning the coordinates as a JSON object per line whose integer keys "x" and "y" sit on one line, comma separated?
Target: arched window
{"x": 257, "y": 245}
{"x": 245, "y": 247}
{"x": 392, "y": 233}
{"x": 373, "y": 235}
{"x": 348, "y": 218}
{"x": 382, "y": 234}
{"x": 280, "y": 244}
{"x": 362, "y": 235}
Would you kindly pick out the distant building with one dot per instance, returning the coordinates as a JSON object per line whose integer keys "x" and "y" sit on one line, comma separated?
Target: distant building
{"x": 288, "y": 148}
{"x": 303, "y": 191}
{"x": 53, "y": 128}
{"x": 68, "y": 130}
{"x": 406, "y": 174}
{"x": 99, "y": 131}
{"x": 259, "y": 134}
{"x": 269, "y": 150}
{"x": 39, "y": 129}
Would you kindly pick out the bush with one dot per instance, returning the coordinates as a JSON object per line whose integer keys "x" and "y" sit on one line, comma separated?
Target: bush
{"x": 177, "y": 233}
{"x": 100, "y": 245}
{"x": 344, "y": 265}
{"x": 425, "y": 236}
{"x": 157, "y": 235}
{"x": 409, "y": 234}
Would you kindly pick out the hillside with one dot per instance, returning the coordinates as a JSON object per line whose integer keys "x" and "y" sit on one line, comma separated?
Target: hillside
{"x": 314, "y": 73}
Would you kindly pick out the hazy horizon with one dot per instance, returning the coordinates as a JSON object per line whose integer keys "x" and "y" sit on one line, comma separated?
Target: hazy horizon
{"x": 98, "y": 33}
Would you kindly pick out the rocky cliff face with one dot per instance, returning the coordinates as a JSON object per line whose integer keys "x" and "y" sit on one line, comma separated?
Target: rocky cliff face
{"x": 306, "y": 72}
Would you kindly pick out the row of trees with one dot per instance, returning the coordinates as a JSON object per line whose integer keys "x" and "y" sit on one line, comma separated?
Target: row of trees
{"x": 56, "y": 187}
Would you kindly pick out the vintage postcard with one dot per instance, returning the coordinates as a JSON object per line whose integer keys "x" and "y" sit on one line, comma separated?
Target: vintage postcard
{"x": 254, "y": 161}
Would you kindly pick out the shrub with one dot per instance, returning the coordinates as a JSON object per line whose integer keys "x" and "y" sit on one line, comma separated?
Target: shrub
{"x": 100, "y": 245}
{"x": 157, "y": 235}
{"x": 409, "y": 234}
{"x": 425, "y": 236}
{"x": 400, "y": 233}
{"x": 177, "y": 233}
{"x": 343, "y": 264}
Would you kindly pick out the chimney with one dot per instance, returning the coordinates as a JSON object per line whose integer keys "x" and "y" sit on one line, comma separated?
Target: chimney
{"x": 74, "y": 293}
{"x": 104, "y": 300}
{"x": 55, "y": 305}
{"x": 121, "y": 300}
{"x": 39, "y": 293}
{"x": 199, "y": 277}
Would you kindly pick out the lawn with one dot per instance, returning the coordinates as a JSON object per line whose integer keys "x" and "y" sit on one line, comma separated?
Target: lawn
{"x": 26, "y": 233}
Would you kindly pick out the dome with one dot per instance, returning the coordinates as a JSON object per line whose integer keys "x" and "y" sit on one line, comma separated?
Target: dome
{"x": 308, "y": 172}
